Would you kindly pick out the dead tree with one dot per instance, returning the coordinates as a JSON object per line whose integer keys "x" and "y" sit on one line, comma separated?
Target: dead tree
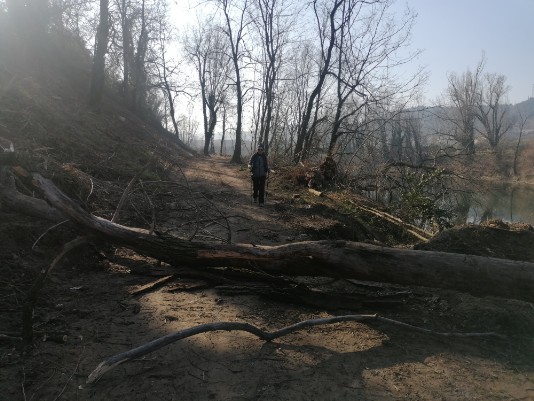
{"x": 477, "y": 275}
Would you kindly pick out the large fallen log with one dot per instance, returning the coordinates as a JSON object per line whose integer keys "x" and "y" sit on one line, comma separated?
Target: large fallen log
{"x": 481, "y": 276}
{"x": 12, "y": 199}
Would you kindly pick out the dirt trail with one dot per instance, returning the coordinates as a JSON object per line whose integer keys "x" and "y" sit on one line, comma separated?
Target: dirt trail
{"x": 228, "y": 188}
{"x": 337, "y": 362}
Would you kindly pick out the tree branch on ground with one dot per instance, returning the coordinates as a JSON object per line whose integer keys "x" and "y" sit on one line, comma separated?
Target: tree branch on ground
{"x": 161, "y": 342}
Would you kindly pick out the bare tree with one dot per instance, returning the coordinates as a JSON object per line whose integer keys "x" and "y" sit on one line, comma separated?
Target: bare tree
{"x": 169, "y": 90}
{"x": 294, "y": 91}
{"x": 465, "y": 96}
{"x": 124, "y": 7}
{"x": 327, "y": 36}
{"x": 366, "y": 47}
{"x": 223, "y": 130}
{"x": 272, "y": 23}
{"x": 401, "y": 139}
{"x": 165, "y": 69}
{"x": 493, "y": 114}
{"x": 134, "y": 41}
{"x": 524, "y": 116}
{"x": 235, "y": 30}
{"x": 74, "y": 16}
{"x": 138, "y": 70}
{"x": 130, "y": 21}
{"x": 187, "y": 127}
{"x": 207, "y": 50}
{"x": 99, "y": 60}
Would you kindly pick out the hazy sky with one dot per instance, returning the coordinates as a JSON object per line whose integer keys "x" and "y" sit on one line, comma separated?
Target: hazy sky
{"x": 455, "y": 33}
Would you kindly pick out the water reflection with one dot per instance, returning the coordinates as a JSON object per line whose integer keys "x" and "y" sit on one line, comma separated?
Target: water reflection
{"x": 509, "y": 203}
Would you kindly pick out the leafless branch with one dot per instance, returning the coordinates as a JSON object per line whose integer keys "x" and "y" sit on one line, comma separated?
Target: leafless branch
{"x": 161, "y": 342}
{"x": 47, "y": 231}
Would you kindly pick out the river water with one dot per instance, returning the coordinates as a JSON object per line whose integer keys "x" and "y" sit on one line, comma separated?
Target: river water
{"x": 512, "y": 204}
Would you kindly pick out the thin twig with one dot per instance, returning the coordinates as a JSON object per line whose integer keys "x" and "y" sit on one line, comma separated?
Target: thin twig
{"x": 47, "y": 231}
{"x": 188, "y": 187}
{"x": 153, "y": 285}
{"x": 91, "y": 191}
{"x": 153, "y": 224}
{"x": 198, "y": 209}
{"x": 71, "y": 376}
{"x": 9, "y": 338}
{"x": 229, "y": 237}
{"x": 23, "y": 381}
{"x": 127, "y": 190}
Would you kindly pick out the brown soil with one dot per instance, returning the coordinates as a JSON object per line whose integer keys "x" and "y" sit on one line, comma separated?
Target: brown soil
{"x": 494, "y": 238}
{"x": 88, "y": 299}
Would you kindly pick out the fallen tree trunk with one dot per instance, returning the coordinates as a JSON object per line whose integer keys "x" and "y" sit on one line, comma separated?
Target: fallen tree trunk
{"x": 12, "y": 199}
{"x": 477, "y": 275}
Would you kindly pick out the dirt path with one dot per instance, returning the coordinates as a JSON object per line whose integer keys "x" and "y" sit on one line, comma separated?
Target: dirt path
{"x": 227, "y": 186}
{"x": 337, "y": 362}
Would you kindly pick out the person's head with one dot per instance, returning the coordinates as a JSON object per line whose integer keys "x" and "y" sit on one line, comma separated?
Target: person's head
{"x": 260, "y": 148}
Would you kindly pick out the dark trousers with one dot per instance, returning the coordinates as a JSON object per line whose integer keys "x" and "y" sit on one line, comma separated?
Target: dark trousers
{"x": 258, "y": 188}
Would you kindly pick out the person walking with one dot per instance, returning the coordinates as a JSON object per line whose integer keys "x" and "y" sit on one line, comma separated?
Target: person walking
{"x": 259, "y": 171}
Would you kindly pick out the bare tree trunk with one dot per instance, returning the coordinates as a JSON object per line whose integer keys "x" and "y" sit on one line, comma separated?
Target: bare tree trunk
{"x": 236, "y": 157}
{"x": 223, "y": 131}
{"x": 126, "y": 49}
{"x": 212, "y": 122}
{"x": 99, "y": 61}
{"x": 139, "y": 71}
{"x": 236, "y": 40}
{"x": 171, "y": 102}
